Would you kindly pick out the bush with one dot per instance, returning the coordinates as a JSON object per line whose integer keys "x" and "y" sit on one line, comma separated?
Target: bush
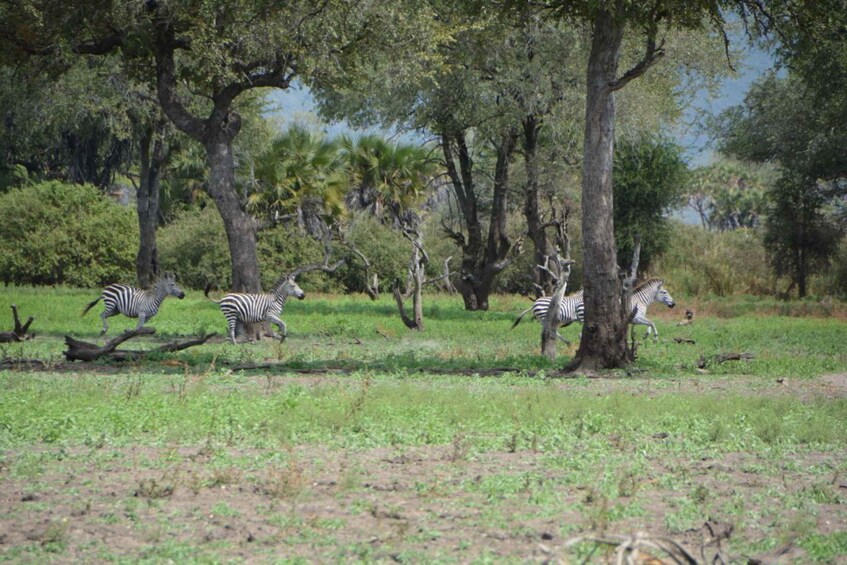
{"x": 386, "y": 249}
{"x": 283, "y": 248}
{"x": 194, "y": 247}
{"x": 700, "y": 263}
{"x": 55, "y": 233}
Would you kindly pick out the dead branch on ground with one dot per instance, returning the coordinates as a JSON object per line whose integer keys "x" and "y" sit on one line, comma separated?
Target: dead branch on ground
{"x": 85, "y": 351}
{"x": 20, "y": 331}
{"x": 723, "y": 358}
{"x": 640, "y": 548}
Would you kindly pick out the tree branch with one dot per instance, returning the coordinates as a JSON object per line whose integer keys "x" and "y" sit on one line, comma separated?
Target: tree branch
{"x": 652, "y": 54}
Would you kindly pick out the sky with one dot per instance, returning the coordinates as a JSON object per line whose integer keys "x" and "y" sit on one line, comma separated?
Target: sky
{"x": 296, "y": 105}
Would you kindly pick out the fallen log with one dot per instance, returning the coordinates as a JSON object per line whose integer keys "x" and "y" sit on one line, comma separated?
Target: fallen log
{"x": 20, "y": 331}
{"x": 84, "y": 351}
{"x": 722, "y": 358}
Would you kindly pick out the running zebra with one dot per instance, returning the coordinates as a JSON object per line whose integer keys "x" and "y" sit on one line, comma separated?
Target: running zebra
{"x": 135, "y": 302}
{"x": 651, "y": 290}
{"x": 570, "y": 311}
{"x": 253, "y": 308}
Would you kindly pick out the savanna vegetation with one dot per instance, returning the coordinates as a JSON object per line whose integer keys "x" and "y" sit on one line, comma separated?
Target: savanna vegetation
{"x": 356, "y": 439}
{"x": 513, "y": 138}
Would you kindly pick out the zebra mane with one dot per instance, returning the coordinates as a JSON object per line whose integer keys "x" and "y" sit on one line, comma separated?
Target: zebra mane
{"x": 655, "y": 281}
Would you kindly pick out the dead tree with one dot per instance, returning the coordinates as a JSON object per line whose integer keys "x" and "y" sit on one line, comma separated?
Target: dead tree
{"x": 371, "y": 279}
{"x": 415, "y": 282}
{"x": 84, "y": 351}
{"x": 20, "y": 331}
{"x": 562, "y": 263}
{"x": 447, "y": 284}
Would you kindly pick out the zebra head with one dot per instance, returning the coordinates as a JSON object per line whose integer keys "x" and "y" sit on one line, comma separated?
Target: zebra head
{"x": 662, "y": 295}
{"x": 167, "y": 286}
{"x": 289, "y": 287}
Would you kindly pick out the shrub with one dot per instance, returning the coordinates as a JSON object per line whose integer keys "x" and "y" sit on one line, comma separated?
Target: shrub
{"x": 699, "y": 262}
{"x": 386, "y": 249}
{"x": 283, "y": 248}
{"x": 194, "y": 246}
{"x": 55, "y": 233}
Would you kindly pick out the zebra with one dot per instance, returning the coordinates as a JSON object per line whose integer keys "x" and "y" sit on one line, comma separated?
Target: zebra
{"x": 252, "y": 308}
{"x": 651, "y": 290}
{"x": 136, "y": 302}
{"x": 571, "y": 310}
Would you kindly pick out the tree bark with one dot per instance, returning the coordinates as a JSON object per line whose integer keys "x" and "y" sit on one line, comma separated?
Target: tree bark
{"x": 542, "y": 280}
{"x": 603, "y": 344}
{"x": 240, "y": 227}
{"x": 153, "y": 156}
{"x": 480, "y": 262}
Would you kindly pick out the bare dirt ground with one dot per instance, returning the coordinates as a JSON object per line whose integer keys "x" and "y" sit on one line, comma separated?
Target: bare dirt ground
{"x": 421, "y": 504}
{"x": 376, "y": 504}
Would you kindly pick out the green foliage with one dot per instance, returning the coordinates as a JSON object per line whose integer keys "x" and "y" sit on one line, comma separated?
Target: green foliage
{"x": 284, "y": 247}
{"x": 730, "y": 194}
{"x": 54, "y": 233}
{"x": 799, "y": 237}
{"x": 194, "y": 246}
{"x": 649, "y": 179}
{"x": 701, "y": 263}
{"x": 301, "y": 169}
{"x": 386, "y": 249}
{"x": 76, "y": 127}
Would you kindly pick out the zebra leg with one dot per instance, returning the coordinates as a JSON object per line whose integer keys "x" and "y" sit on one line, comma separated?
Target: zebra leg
{"x": 283, "y": 331}
{"x": 141, "y": 319}
{"x": 230, "y": 325}
{"x": 655, "y": 331}
{"x": 106, "y": 313}
{"x": 559, "y": 336}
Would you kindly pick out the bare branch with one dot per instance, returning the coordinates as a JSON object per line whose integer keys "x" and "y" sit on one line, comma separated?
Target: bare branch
{"x": 652, "y": 54}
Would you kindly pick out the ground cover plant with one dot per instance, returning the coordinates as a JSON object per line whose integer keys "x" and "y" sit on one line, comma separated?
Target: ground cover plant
{"x": 357, "y": 440}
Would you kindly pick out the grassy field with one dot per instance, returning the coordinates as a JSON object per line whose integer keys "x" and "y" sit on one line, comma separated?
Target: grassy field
{"x": 362, "y": 441}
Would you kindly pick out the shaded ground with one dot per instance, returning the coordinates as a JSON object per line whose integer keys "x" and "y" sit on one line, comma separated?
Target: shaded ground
{"x": 421, "y": 504}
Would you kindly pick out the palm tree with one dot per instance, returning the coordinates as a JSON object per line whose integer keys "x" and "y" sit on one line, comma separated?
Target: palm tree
{"x": 302, "y": 174}
{"x": 385, "y": 175}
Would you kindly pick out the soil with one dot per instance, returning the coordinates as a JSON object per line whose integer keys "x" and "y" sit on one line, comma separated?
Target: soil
{"x": 420, "y": 504}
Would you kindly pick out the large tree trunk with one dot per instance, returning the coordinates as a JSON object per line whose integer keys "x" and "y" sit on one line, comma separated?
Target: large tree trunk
{"x": 240, "y": 227}
{"x": 603, "y": 343}
{"x": 147, "y": 196}
{"x": 480, "y": 264}
{"x": 542, "y": 280}
{"x": 216, "y": 133}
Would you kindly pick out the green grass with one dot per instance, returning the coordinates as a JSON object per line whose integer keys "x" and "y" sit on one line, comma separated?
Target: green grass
{"x": 354, "y": 333}
{"x": 406, "y": 453}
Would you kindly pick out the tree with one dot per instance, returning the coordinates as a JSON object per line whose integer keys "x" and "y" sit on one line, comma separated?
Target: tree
{"x": 650, "y": 176}
{"x": 729, "y": 194}
{"x": 451, "y": 92}
{"x": 798, "y": 235}
{"x": 301, "y": 175}
{"x": 205, "y": 55}
{"x": 603, "y": 343}
{"x": 781, "y": 122}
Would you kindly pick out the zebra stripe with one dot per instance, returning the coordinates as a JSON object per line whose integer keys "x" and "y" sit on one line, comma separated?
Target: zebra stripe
{"x": 651, "y": 290}
{"x": 252, "y": 308}
{"x": 571, "y": 310}
{"x": 135, "y": 302}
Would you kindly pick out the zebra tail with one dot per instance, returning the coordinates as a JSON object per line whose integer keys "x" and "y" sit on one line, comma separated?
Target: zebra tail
{"x": 520, "y": 317}
{"x": 91, "y": 305}
{"x": 206, "y": 293}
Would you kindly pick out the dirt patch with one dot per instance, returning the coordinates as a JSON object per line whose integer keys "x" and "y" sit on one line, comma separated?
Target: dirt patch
{"x": 420, "y": 503}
